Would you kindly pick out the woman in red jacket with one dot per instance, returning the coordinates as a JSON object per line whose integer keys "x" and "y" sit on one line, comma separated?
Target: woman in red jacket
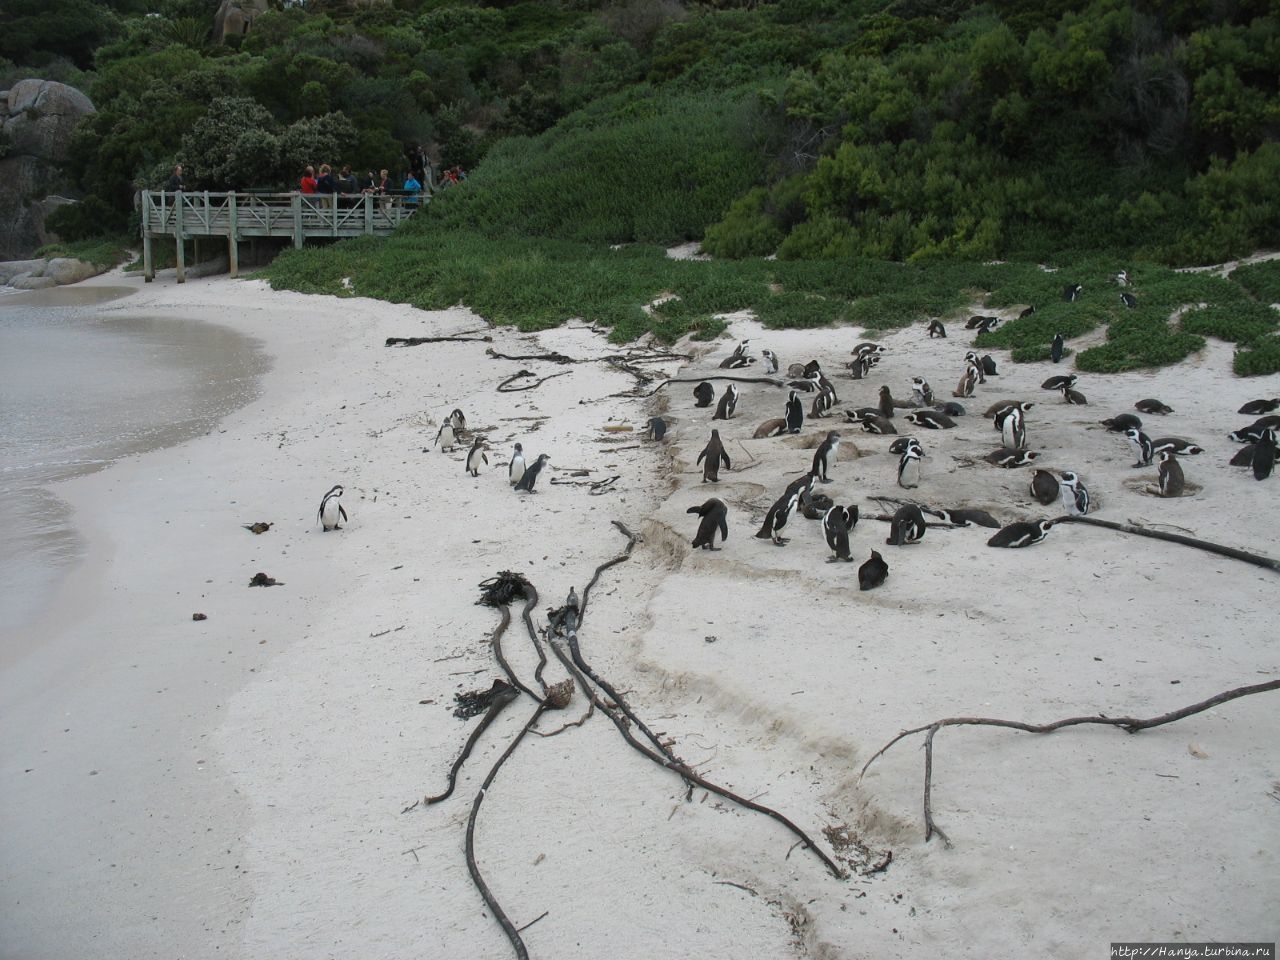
{"x": 308, "y": 182}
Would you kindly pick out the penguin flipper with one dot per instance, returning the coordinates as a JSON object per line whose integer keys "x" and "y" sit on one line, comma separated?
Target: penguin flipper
{"x": 724, "y": 529}
{"x": 342, "y": 512}
{"x": 725, "y": 457}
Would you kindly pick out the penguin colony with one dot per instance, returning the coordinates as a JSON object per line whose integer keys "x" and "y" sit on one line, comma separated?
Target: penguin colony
{"x": 1062, "y": 490}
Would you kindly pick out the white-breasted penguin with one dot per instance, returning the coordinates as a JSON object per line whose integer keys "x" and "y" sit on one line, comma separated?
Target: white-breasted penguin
{"x": 825, "y": 455}
{"x": 1171, "y": 480}
{"x": 1141, "y": 445}
{"x": 446, "y": 436}
{"x": 331, "y": 510}
{"x": 922, "y": 392}
{"x": 728, "y": 403}
{"x": 516, "y": 470}
{"x": 907, "y": 526}
{"x": 476, "y": 457}
{"x": 795, "y": 413}
{"x": 835, "y": 527}
{"x": 531, "y": 472}
{"x": 770, "y": 361}
{"x": 936, "y": 329}
{"x": 1075, "y": 495}
{"x": 777, "y": 518}
{"x": 909, "y": 467}
{"x": 1013, "y": 429}
{"x": 712, "y": 455}
{"x": 714, "y": 514}
{"x": 458, "y": 420}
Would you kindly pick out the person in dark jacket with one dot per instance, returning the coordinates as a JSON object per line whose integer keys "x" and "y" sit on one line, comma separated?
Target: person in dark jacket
{"x": 324, "y": 183}
{"x": 174, "y": 183}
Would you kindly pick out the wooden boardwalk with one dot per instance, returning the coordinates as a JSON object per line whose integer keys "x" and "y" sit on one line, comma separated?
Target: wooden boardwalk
{"x": 238, "y": 216}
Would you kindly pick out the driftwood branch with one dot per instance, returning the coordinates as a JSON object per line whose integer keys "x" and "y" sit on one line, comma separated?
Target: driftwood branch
{"x": 1130, "y": 724}
{"x": 1232, "y": 552}
{"x": 419, "y": 341}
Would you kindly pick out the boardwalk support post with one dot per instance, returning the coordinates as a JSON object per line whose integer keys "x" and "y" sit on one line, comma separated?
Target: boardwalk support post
{"x": 233, "y": 239}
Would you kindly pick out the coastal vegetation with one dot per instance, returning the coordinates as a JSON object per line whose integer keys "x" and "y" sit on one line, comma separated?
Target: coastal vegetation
{"x": 893, "y": 159}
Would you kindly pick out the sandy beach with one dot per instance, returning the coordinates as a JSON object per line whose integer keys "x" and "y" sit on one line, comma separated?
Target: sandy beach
{"x": 234, "y": 787}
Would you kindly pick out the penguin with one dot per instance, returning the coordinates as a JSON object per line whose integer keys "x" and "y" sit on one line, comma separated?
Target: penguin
{"x": 703, "y": 394}
{"x": 458, "y": 421}
{"x": 1013, "y": 429}
{"x": 531, "y": 472}
{"x": 1250, "y": 434}
{"x": 967, "y": 382}
{"x": 936, "y": 329}
{"x": 1171, "y": 479}
{"x": 859, "y": 367}
{"x": 1055, "y": 348}
{"x": 869, "y": 348}
{"x": 930, "y": 420}
{"x": 1044, "y": 486}
{"x": 1074, "y": 397}
{"x": 1244, "y": 456}
{"x": 728, "y": 403}
{"x": 909, "y": 468}
{"x": 907, "y": 526}
{"x": 812, "y": 369}
{"x": 1152, "y": 406}
{"x": 902, "y": 444}
{"x": 738, "y": 358}
{"x": 825, "y": 455}
{"x": 770, "y": 428}
{"x": 1122, "y": 422}
{"x": 713, "y": 454}
{"x": 964, "y": 518}
{"x": 873, "y": 573}
{"x": 1122, "y": 278}
{"x": 991, "y": 325}
{"x": 809, "y": 384}
{"x": 777, "y": 518}
{"x": 989, "y": 365}
{"x": 826, "y": 386}
{"x": 835, "y": 527}
{"x": 822, "y": 404}
{"x": 885, "y": 405}
{"x": 1057, "y": 383}
{"x": 1264, "y": 455}
{"x": 714, "y": 514}
{"x": 770, "y": 361}
{"x": 1271, "y": 422}
{"x": 1255, "y": 408}
{"x": 975, "y": 364}
{"x": 1129, "y": 300}
{"x": 950, "y": 409}
{"x": 657, "y": 428}
{"x": 795, "y": 413}
{"x": 1177, "y": 446}
{"x": 874, "y": 423}
{"x": 815, "y": 505}
{"x": 981, "y": 323}
{"x": 997, "y": 410}
{"x": 1021, "y": 534}
{"x": 476, "y": 457}
{"x": 1075, "y": 495}
{"x": 922, "y": 392}
{"x": 331, "y": 510}
{"x": 446, "y": 437}
{"x": 516, "y": 469}
{"x": 1141, "y": 445}
{"x": 1071, "y": 292}
{"x": 1009, "y": 458}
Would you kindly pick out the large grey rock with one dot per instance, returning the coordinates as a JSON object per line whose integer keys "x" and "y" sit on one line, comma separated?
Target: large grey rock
{"x": 38, "y": 118}
{"x": 234, "y": 17}
{"x": 28, "y": 282}
{"x": 65, "y": 270}
{"x": 16, "y": 268}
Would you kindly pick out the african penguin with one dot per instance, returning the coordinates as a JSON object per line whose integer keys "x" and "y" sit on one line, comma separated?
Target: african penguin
{"x": 1044, "y": 486}
{"x": 930, "y": 420}
{"x": 770, "y": 361}
{"x": 936, "y": 329}
{"x": 825, "y": 455}
{"x": 1141, "y": 445}
{"x": 331, "y": 510}
{"x": 1074, "y": 397}
{"x": 714, "y": 514}
{"x": 713, "y": 454}
{"x": 1171, "y": 479}
{"x": 907, "y": 526}
{"x": 1071, "y": 292}
{"x": 1122, "y": 422}
{"x": 1152, "y": 405}
{"x": 703, "y": 394}
{"x": 728, "y": 403}
{"x": 909, "y": 468}
{"x": 1060, "y": 381}
{"x": 1021, "y": 534}
{"x": 822, "y": 404}
{"x": 967, "y": 382}
{"x": 835, "y": 528}
{"x": 1055, "y": 348}
{"x": 777, "y": 518}
{"x": 963, "y": 518}
{"x": 657, "y": 428}
{"x": 1075, "y": 496}
{"x": 476, "y": 457}
{"x": 458, "y": 420}
{"x": 446, "y": 437}
{"x": 873, "y": 573}
{"x": 1010, "y": 458}
{"x": 1264, "y": 455}
{"x": 531, "y": 472}
{"x": 922, "y": 392}
{"x": 516, "y": 469}
{"x": 1177, "y": 446}
{"x": 1129, "y": 300}
{"x": 795, "y": 413}
{"x": 1257, "y": 407}
{"x": 1013, "y": 429}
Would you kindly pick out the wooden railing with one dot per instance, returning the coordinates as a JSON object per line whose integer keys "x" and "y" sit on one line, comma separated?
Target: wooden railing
{"x": 237, "y": 216}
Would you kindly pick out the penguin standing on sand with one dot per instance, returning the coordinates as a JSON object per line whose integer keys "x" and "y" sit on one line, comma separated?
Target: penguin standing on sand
{"x": 770, "y": 362}
{"x": 777, "y": 518}
{"x": 657, "y": 428}
{"x": 728, "y": 403}
{"x": 531, "y": 472}
{"x": 446, "y": 437}
{"x": 835, "y": 527}
{"x": 476, "y": 457}
{"x": 921, "y": 392}
{"x": 1171, "y": 479}
{"x": 711, "y": 457}
{"x": 714, "y": 515}
{"x": 1141, "y": 445}
{"x": 516, "y": 470}
{"x": 822, "y": 403}
{"x": 331, "y": 510}
{"x": 1055, "y": 348}
{"x": 907, "y": 526}
{"x": 909, "y": 467}
{"x": 703, "y": 394}
{"x": 936, "y": 329}
{"x": 795, "y": 413}
{"x": 825, "y": 455}
{"x": 1013, "y": 429}
{"x": 1264, "y": 455}
{"x": 873, "y": 573}
{"x": 1075, "y": 495}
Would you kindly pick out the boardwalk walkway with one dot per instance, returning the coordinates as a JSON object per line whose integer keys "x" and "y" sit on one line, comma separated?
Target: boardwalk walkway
{"x": 239, "y": 216}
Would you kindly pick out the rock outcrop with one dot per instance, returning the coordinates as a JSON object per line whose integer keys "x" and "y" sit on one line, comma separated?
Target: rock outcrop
{"x": 39, "y": 274}
{"x": 235, "y": 17}
{"x": 37, "y": 119}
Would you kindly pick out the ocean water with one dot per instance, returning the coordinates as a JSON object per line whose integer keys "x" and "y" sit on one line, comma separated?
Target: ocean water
{"x": 80, "y": 388}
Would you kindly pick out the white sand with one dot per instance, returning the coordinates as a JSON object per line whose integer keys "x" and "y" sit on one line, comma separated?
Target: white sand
{"x": 234, "y": 788}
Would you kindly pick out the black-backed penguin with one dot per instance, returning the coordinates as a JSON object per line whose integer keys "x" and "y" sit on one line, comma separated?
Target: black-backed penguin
{"x": 777, "y": 518}
{"x": 989, "y": 365}
{"x": 976, "y": 363}
{"x": 964, "y": 518}
{"x": 1044, "y": 486}
{"x": 1177, "y": 446}
{"x": 1122, "y": 422}
{"x": 1171, "y": 479}
{"x": 907, "y": 526}
{"x": 458, "y": 420}
{"x": 1013, "y": 428}
{"x": 902, "y": 444}
{"x": 728, "y": 403}
{"x": 657, "y": 428}
{"x": 909, "y": 467}
{"x": 1151, "y": 405}
{"x": 714, "y": 514}
{"x": 1264, "y": 455}
{"x": 446, "y": 437}
{"x": 814, "y": 505}
{"x": 930, "y": 420}
{"x": 770, "y": 362}
{"x": 738, "y": 358}
{"x": 1141, "y": 445}
{"x": 885, "y": 403}
{"x": 1075, "y": 495}
{"x": 1071, "y": 292}
{"x": 1055, "y": 348}
{"x": 825, "y": 455}
{"x": 1060, "y": 381}
{"x": 1021, "y": 534}
{"x": 1074, "y": 397}
{"x": 531, "y": 472}
{"x": 703, "y": 394}
{"x": 997, "y": 410}
{"x": 1255, "y": 408}
{"x": 873, "y": 573}
{"x": 711, "y": 457}
{"x": 1027, "y": 312}
{"x": 822, "y": 404}
{"x": 869, "y": 348}
{"x": 835, "y": 528}
{"x": 936, "y": 329}
{"x": 1129, "y": 300}
{"x": 950, "y": 408}
{"x": 1009, "y": 458}
{"x": 807, "y": 384}
{"x": 516, "y": 468}
{"x": 874, "y": 423}
{"x": 922, "y": 392}
{"x": 476, "y": 457}
{"x": 331, "y": 510}
{"x": 795, "y": 413}
{"x": 967, "y": 383}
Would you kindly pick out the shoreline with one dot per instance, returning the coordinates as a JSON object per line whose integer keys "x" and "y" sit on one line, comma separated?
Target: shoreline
{"x": 250, "y": 770}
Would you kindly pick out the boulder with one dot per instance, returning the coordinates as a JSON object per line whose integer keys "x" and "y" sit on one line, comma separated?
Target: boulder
{"x": 38, "y": 118}
{"x": 28, "y": 282}
{"x": 16, "y": 268}
{"x": 65, "y": 270}
{"x": 235, "y": 17}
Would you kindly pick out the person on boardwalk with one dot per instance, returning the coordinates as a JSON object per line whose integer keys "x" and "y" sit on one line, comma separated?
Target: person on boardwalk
{"x": 307, "y": 184}
{"x": 174, "y": 183}
{"x": 325, "y": 184}
{"x": 412, "y": 190}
